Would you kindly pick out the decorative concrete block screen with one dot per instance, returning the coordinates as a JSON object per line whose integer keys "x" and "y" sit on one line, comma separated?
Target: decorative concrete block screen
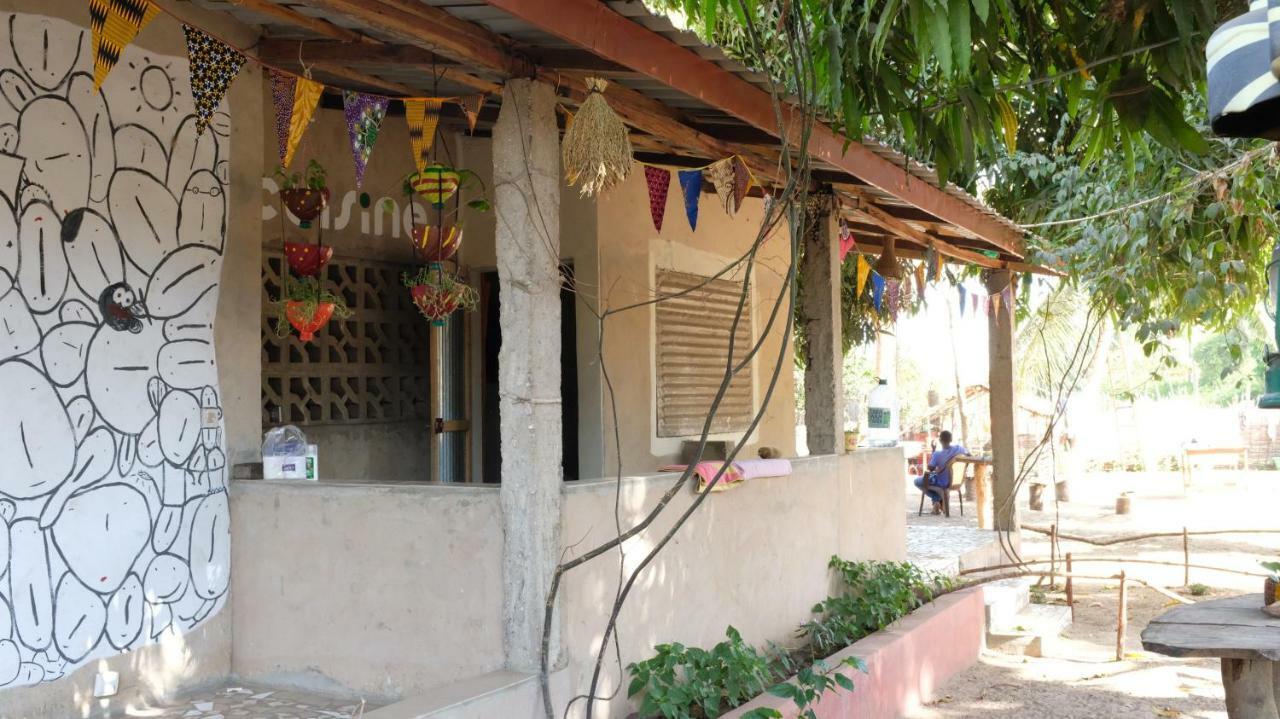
{"x": 113, "y": 508}
{"x": 693, "y": 332}
{"x": 371, "y": 367}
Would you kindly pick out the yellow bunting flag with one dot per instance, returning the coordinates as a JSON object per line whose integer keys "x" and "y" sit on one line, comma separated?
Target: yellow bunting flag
{"x": 471, "y": 108}
{"x": 995, "y": 305}
{"x": 306, "y": 96}
{"x": 423, "y": 115}
{"x": 864, "y": 269}
{"x": 920, "y": 280}
{"x": 114, "y": 24}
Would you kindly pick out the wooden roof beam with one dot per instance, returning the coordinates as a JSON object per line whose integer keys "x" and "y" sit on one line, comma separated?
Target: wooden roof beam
{"x": 288, "y": 16}
{"x": 593, "y": 25}
{"x": 287, "y": 51}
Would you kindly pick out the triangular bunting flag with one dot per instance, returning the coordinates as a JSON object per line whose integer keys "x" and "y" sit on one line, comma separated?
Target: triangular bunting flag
{"x": 742, "y": 182}
{"x": 306, "y": 96}
{"x": 213, "y": 66}
{"x": 423, "y": 115}
{"x": 895, "y": 295}
{"x": 471, "y": 108}
{"x": 919, "y": 272}
{"x": 691, "y": 185}
{"x": 1008, "y": 298}
{"x": 934, "y": 262}
{"x": 877, "y": 291}
{"x": 658, "y": 180}
{"x": 113, "y": 25}
{"x": 995, "y": 305}
{"x": 846, "y": 243}
{"x": 720, "y": 174}
{"x": 962, "y": 298}
{"x": 864, "y": 269}
{"x": 973, "y": 302}
{"x": 364, "y": 115}
{"x": 282, "y": 89}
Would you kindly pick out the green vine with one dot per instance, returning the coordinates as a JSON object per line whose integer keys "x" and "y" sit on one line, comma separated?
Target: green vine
{"x": 315, "y": 177}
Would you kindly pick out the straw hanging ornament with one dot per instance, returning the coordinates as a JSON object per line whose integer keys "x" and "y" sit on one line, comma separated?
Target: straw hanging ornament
{"x": 596, "y": 148}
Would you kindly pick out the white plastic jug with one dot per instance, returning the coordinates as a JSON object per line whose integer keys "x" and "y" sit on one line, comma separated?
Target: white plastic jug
{"x": 882, "y": 416}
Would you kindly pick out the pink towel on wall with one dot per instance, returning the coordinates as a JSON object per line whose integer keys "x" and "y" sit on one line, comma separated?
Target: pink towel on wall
{"x": 736, "y": 474}
{"x": 758, "y": 468}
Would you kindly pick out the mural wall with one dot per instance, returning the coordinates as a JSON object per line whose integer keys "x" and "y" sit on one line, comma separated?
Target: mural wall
{"x": 113, "y": 507}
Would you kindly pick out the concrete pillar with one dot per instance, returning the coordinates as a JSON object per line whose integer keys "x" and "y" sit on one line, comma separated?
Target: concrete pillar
{"x": 1004, "y": 439}
{"x": 820, "y": 307}
{"x": 526, "y": 174}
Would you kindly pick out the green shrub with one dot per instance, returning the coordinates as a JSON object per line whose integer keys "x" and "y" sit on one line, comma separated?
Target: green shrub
{"x": 682, "y": 682}
{"x": 1198, "y": 590}
{"x": 876, "y": 594}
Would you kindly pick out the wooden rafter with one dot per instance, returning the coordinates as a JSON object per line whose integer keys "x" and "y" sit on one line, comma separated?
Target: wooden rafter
{"x": 292, "y": 17}
{"x": 595, "y": 26}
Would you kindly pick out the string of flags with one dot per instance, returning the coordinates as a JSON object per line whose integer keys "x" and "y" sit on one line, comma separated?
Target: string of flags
{"x": 114, "y": 24}
{"x": 730, "y": 178}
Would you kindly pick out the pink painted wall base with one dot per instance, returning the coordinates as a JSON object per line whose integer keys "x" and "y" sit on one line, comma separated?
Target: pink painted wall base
{"x": 907, "y": 664}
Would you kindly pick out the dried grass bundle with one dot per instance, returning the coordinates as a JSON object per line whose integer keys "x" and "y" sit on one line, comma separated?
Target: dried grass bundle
{"x": 596, "y": 148}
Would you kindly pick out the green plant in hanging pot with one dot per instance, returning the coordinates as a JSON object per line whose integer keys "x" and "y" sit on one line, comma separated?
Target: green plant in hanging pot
{"x": 438, "y": 292}
{"x": 1271, "y": 589}
{"x": 306, "y": 193}
{"x": 307, "y": 306}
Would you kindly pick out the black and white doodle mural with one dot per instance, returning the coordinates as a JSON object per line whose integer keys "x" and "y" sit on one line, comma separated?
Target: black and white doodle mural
{"x": 113, "y": 507}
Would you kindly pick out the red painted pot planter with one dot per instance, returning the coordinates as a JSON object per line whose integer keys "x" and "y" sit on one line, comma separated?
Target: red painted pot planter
{"x": 436, "y": 244}
{"x": 307, "y": 259}
{"x": 307, "y": 318}
{"x": 434, "y": 303}
{"x": 304, "y": 203}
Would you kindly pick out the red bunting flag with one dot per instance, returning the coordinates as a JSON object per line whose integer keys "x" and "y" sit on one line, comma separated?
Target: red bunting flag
{"x": 659, "y": 181}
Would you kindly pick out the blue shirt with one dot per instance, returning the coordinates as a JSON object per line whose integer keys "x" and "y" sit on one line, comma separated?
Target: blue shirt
{"x": 938, "y": 463}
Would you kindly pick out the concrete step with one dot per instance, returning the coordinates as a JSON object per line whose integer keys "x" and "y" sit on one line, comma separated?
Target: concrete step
{"x": 1030, "y": 632}
{"x": 1005, "y": 598}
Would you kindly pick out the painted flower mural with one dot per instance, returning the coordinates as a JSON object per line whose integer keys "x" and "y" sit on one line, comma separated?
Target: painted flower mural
{"x": 113, "y": 507}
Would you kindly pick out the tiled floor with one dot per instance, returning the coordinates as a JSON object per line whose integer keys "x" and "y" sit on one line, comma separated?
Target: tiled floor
{"x": 248, "y": 702}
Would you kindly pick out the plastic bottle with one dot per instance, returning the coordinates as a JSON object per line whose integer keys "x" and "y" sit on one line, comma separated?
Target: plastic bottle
{"x": 882, "y": 416}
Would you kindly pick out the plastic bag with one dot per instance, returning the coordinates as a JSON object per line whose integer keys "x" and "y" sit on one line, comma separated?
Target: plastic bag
{"x": 286, "y": 441}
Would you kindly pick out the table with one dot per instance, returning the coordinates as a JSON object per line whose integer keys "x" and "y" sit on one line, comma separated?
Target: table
{"x": 980, "y": 467}
{"x": 1198, "y": 451}
{"x": 1236, "y": 631}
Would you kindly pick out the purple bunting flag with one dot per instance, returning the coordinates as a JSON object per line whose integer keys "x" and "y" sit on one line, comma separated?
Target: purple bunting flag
{"x": 364, "y": 115}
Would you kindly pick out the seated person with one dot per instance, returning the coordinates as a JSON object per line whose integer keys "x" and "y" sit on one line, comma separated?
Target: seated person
{"x": 939, "y": 474}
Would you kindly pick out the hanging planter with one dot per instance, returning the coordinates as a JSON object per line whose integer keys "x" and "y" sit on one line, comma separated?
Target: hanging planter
{"x": 304, "y": 196}
{"x": 436, "y": 244}
{"x": 307, "y": 307}
{"x": 438, "y": 293}
{"x": 307, "y": 259}
{"x": 436, "y": 183}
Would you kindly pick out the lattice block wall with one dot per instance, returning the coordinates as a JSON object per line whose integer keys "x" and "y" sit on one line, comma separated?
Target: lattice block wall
{"x": 370, "y": 367}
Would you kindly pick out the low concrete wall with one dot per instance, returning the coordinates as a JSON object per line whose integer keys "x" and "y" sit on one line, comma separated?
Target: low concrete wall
{"x": 907, "y": 663}
{"x": 383, "y": 590}
{"x": 754, "y": 557}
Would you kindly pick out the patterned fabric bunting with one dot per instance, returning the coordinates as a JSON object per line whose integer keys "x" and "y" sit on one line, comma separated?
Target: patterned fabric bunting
{"x": 691, "y": 185}
{"x": 742, "y": 183}
{"x": 1008, "y": 298}
{"x": 720, "y": 174}
{"x": 471, "y": 108}
{"x": 934, "y": 262}
{"x": 282, "y": 89}
{"x": 864, "y": 269}
{"x": 995, "y": 304}
{"x": 423, "y": 115}
{"x": 877, "y": 291}
{"x": 306, "y": 96}
{"x": 919, "y": 272}
{"x": 894, "y": 295}
{"x": 658, "y": 180}
{"x": 973, "y": 303}
{"x": 962, "y": 299}
{"x": 113, "y": 25}
{"x": 213, "y": 66}
{"x": 364, "y": 115}
{"x": 846, "y": 243}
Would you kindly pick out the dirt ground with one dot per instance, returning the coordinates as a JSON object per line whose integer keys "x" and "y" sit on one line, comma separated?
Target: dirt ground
{"x": 1080, "y": 677}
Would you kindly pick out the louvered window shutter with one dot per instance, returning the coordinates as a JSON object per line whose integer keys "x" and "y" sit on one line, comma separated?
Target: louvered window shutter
{"x": 692, "y": 346}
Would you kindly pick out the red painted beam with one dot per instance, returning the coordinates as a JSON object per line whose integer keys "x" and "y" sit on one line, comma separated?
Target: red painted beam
{"x": 592, "y": 25}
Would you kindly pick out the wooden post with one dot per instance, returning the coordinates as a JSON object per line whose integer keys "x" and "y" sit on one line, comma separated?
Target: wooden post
{"x": 1071, "y": 595}
{"x": 1122, "y": 618}
{"x": 1053, "y": 555}
{"x": 1186, "y": 558}
{"x": 980, "y": 486}
{"x": 1002, "y": 397}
